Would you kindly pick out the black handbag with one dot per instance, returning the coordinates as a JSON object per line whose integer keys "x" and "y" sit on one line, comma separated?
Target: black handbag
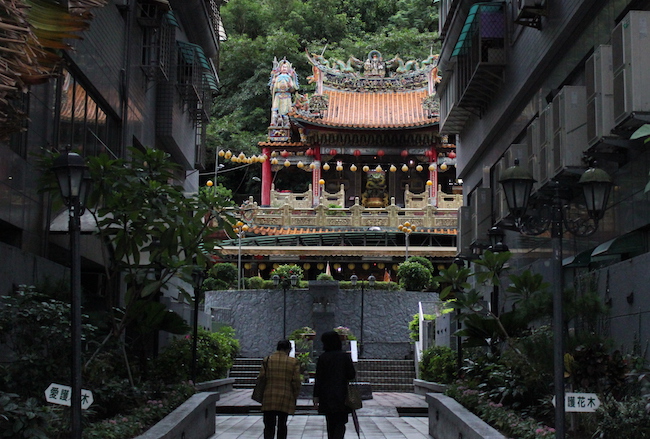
{"x": 260, "y": 385}
{"x": 353, "y": 398}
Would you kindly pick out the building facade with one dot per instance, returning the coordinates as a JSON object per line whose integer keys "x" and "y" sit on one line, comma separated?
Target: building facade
{"x": 141, "y": 75}
{"x": 558, "y": 86}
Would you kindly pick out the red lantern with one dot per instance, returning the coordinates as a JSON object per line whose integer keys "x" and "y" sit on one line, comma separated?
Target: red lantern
{"x": 451, "y": 155}
{"x": 356, "y": 153}
{"x": 404, "y": 153}
{"x": 380, "y": 153}
{"x": 284, "y": 153}
{"x": 332, "y": 151}
{"x": 309, "y": 151}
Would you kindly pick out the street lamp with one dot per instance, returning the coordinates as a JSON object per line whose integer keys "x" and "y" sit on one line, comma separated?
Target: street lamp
{"x": 407, "y": 228}
{"x": 198, "y": 276}
{"x": 371, "y": 283}
{"x": 596, "y": 184}
{"x": 74, "y": 183}
{"x": 240, "y": 229}
{"x": 293, "y": 281}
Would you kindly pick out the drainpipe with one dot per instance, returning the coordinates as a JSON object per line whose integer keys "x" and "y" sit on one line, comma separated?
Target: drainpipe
{"x": 125, "y": 77}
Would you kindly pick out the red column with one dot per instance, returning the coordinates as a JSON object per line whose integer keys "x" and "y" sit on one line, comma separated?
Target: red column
{"x": 267, "y": 177}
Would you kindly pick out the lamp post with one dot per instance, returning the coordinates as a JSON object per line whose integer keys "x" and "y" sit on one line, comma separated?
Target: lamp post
{"x": 240, "y": 229}
{"x": 293, "y": 281}
{"x": 74, "y": 184}
{"x": 496, "y": 235}
{"x": 407, "y": 228}
{"x": 517, "y": 184}
{"x": 371, "y": 283}
{"x": 198, "y": 276}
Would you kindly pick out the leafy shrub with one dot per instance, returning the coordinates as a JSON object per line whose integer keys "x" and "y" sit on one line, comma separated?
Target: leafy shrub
{"x": 224, "y": 272}
{"x": 35, "y": 337}
{"x": 438, "y": 364}
{"x": 155, "y": 406}
{"x": 24, "y": 418}
{"x": 629, "y": 418}
{"x": 214, "y": 284}
{"x": 255, "y": 283}
{"x": 414, "y": 325}
{"x": 216, "y": 352}
{"x": 509, "y": 422}
{"x": 324, "y": 276}
{"x": 285, "y": 272}
{"x": 413, "y": 276}
{"x": 422, "y": 261}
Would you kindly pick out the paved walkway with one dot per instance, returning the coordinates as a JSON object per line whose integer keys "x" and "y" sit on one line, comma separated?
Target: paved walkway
{"x": 379, "y": 418}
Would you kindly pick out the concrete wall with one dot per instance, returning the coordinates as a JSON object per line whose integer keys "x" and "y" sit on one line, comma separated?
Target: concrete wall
{"x": 450, "y": 420}
{"x": 193, "y": 419}
{"x": 257, "y": 316}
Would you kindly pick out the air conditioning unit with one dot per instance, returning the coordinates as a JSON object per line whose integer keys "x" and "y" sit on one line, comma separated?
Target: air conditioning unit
{"x": 481, "y": 213}
{"x": 543, "y": 151}
{"x": 569, "y": 127}
{"x": 532, "y": 149}
{"x": 631, "y": 65}
{"x": 465, "y": 233}
{"x": 599, "y": 77}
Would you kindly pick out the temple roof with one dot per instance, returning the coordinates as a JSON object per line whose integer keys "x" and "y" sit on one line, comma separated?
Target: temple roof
{"x": 372, "y": 110}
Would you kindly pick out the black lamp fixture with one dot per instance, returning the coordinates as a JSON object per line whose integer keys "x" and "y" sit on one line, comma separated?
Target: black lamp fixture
{"x": 74, "y": 184}
{"x": 497, "y": 235}
{"x": 517, "y": 184}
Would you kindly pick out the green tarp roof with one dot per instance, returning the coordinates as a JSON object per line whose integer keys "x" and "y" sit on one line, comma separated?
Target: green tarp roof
{"x": 465, "y": 38}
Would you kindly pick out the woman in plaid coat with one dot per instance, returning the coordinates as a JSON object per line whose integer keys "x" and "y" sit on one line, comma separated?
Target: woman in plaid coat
{"x": 282, "y": 375}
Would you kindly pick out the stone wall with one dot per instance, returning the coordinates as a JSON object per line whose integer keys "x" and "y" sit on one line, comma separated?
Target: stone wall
{"x": 258, "y": 319}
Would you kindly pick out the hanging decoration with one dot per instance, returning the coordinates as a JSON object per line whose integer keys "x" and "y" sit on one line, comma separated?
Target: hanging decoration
{"x": 379, "y": 169}
{"x": 326, "y": 167}
{"x": 353, "y": 168}
{"x": 356, "y": 153}
{"x": 404, "y": 153}
{"x": 380, "y": 153}
{"x": 392, "y": 168}
{"x": 451, "y": 155}
{"x": 419, "y": 168}
{"x": 366, "y": 168}
{"x": 405, "y": 168}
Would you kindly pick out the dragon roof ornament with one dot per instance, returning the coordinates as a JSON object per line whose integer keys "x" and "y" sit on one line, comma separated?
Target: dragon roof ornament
{"x": 374, "y": 74}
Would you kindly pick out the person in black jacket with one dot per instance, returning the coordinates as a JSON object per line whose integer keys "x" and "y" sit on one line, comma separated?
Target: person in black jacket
{"x": 333, "y": 371}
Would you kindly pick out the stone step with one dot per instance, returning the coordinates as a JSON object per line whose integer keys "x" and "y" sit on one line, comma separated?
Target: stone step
{"x": 383, "y": 375}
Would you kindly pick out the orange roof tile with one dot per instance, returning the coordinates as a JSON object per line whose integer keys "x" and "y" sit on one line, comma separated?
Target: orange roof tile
{"x": 379, "y": 110}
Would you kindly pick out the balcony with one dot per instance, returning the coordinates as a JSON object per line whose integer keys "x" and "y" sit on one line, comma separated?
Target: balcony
{"x": 480, "y": 59}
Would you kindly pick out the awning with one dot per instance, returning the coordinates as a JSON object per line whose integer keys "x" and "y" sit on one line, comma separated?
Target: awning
{"x": 172, "y": 19}
{"x": 582, "y": 259}
{"x": 336, "y": 251}
{"x": 188, "y": 52}
{"x": 629, "y": 243}
{"x": 471, "y": 22}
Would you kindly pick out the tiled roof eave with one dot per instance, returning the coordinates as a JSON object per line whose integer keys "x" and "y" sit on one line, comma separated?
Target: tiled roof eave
{"x": 321, "y": 123}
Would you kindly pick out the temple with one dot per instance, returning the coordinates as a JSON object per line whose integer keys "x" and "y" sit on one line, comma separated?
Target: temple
{"x": 358, "y": 157}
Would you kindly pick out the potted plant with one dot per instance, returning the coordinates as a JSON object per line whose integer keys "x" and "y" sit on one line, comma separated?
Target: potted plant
{"x": 344, "y": 333}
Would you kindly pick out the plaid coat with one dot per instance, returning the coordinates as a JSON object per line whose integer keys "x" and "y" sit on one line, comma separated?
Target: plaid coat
{"x": 282, "y": 375}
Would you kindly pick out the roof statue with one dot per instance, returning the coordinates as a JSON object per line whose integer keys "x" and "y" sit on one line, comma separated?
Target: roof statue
{"x": 283, "y": 83}
{"x": 374, "y": 65}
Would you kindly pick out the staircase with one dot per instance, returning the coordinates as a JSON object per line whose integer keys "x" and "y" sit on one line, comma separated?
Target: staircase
{"x": 244, "y": 371}
{"x": 383, "y": 375}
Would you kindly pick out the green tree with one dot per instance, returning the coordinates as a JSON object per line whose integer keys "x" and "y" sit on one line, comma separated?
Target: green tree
{"x": 151, "y": 232}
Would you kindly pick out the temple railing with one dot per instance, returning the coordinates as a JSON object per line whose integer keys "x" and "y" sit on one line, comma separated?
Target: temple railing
{"x": 356, "y": 216}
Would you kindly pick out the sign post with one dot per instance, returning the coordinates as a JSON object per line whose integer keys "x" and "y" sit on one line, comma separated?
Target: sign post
{"x": 62, "y": 395}
{"x": 580, "y": 402}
